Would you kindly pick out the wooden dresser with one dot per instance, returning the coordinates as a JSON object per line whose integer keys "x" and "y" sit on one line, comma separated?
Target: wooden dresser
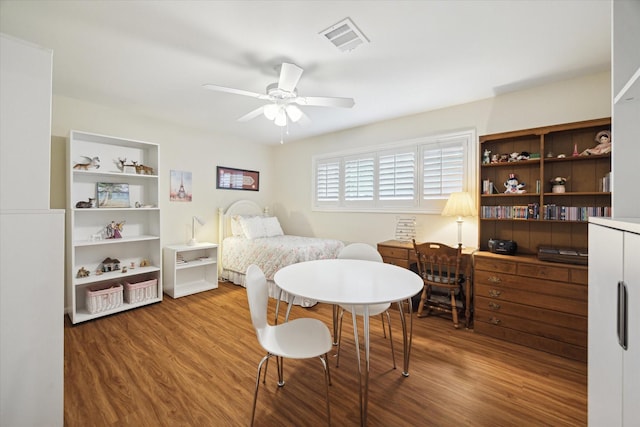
{"x": 530, "y": 302}
{"x": 398, "y": 253}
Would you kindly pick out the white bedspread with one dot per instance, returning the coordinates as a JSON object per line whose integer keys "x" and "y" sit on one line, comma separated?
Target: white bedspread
{"x": 273, "y": 253}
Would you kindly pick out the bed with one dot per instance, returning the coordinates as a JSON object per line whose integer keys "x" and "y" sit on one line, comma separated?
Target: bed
{"x": 248, "y": 235}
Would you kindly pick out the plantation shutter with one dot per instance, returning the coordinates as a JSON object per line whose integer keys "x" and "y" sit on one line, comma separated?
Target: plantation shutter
{"x": 397, "y": 175}
{"x": 359, "y": 178}
{"x": 443, "y": 169}
{"x": 328, "y": 181}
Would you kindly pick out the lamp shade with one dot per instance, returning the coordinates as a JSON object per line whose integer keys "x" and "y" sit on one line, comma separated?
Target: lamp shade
{"x": 459, "y": 204}
{"x": 270, "y": 111}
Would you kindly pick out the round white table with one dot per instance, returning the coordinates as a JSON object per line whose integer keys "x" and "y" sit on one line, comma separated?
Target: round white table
{"x": 355, "y": 282}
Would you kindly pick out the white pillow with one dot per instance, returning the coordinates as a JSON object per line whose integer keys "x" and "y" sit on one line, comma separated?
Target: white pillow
{"x": 272, "y": 226}
{"x": 236, "y": 227}
{"x": 253, "y": 227}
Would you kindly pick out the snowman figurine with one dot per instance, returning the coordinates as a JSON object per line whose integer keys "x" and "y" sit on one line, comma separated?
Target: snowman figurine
{"x": 513, "y": 186}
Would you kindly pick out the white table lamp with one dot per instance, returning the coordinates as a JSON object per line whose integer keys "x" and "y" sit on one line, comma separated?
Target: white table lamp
{"x": 459, "y": 204}
{"x": 193, "y": 240}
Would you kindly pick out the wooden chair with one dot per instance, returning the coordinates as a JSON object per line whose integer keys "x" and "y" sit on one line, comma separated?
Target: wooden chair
{"x": 440, "y": 268}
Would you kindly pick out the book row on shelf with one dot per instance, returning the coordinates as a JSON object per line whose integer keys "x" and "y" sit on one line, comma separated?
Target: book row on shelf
{"x": 549, "y": 212}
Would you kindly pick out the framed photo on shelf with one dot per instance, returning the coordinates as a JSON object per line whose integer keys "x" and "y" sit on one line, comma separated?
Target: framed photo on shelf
{"x": 237, "y": 179}
{"x": 113, "y": 195}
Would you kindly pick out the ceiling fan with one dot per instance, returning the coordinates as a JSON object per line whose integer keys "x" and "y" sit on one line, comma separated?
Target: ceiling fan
{"x": 283, "y": 99}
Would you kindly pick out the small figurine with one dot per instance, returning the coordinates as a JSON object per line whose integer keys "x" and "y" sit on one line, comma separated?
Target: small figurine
{"x": 513, "y": 186}
{"x": 495, "y": 158}
{"x": 523, "y": 156}
{"x": 124, "y": 269}
{"x": 83, "y": 205}
{"x": 513, "y": 157}
{"x": 110, "y": 264}
{"x": 113, "y": 230}
{"x": 88, "y": 162}
{"x": 83, "y": 272}
{"x": 144, "y": 263}
{"x": 558, "y": 184}
{"x": 603, "y": 138}
{"x": 142, "y": 169}
{"x": 486, "y": 158}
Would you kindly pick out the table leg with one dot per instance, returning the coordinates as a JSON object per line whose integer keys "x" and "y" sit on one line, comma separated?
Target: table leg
{"x": 363, "y": 389}
{"x": 406, "y": 341}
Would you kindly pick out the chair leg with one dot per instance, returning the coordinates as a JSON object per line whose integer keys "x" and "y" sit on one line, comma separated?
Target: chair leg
{"x": 339, "y": 337}
{"x": 255, "y": 393}
{"x": 280, "y": 361}
{"x": 327, "y": 381}
{"x": 454, "y": 310}
{"x": 384, "y": 330}
{"x": 423, "y": 299}
{"x": 335, "y": 324}
{"x": 393, "y": 354}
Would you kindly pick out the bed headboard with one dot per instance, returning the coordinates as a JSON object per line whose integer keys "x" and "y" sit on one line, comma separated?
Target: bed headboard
{"x": 240, "y": 207}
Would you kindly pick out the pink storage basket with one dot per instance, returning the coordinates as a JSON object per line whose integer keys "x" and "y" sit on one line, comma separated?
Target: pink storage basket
{"x": 141, "y": 291}
{"x": 103, "y": 298}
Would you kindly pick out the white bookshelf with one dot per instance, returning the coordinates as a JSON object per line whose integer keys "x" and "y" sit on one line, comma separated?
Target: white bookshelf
{"x": 190, "y": 269}
{"x": 87, "y": 246}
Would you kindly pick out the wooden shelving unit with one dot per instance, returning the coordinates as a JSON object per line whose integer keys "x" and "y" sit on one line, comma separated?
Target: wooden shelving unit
{"x": 584, "y": 187}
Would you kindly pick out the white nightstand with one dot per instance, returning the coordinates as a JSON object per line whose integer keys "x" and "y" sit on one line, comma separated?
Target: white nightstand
{"x": 190, "y": 269}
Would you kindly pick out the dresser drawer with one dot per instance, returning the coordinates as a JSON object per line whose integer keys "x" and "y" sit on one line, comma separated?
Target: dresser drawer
{"x": 495, "y": 265}
{"x": 534, "y": 285}
{"x": 544, "y": 272}
{"x": 536, "y": 314}
{"x": 572, "y": 351}
{"x": 397, "y": 261}
{"x": 534, "y": 299}
{"x": 388, "y": 252}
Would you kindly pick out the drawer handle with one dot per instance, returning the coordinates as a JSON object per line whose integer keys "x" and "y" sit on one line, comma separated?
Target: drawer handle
{"x": 494, "y": 293}
{"x": 494, "y": 279}
{"x": 494, "y": 321}
{"x": 494, "y": 306}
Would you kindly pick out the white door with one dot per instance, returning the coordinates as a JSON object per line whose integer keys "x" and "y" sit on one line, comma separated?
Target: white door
{"x": 605, "y": 354}
{"x": 631, "y": 357}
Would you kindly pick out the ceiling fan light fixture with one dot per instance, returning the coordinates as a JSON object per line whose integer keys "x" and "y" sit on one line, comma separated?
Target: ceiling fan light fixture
{"x": 281, "y": 118}
{"x": 293, "y": 112}
{"x": 270, "y": 111}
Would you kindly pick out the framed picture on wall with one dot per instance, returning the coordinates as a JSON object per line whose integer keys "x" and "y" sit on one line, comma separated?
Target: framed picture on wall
{"x": 237, "y": 179}
{"x": 180, "y": 186}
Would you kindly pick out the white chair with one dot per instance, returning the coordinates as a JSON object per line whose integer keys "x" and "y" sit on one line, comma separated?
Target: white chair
{"x": 368, "y": 253}
{"x": 297, "y": 339}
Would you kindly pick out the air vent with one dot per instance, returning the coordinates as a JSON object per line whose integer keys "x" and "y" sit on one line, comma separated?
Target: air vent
{"x": 345, "y": 35}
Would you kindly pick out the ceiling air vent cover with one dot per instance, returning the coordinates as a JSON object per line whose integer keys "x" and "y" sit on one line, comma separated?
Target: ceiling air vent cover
{"x": 345, "y": 35}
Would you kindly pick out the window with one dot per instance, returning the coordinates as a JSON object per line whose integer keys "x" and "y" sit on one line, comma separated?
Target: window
{"x": 416, "y": 175}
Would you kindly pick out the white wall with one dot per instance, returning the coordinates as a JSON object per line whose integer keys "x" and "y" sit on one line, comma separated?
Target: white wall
{"x": 285, "y": 170}
{"x": 180, "y": 149}
{"x": 572, "y": 100}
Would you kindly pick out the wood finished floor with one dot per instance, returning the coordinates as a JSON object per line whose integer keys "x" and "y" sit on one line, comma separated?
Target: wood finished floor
{"x": 192, "y": 362}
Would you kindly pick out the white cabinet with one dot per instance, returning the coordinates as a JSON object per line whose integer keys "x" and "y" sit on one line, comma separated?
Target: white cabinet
{"x": 190, "y": 269}
{"x": 31, "y": 244}
{"x": 120, "y": 195}
{"x": 614, "y": 322}
{"x": 626, "y": 107}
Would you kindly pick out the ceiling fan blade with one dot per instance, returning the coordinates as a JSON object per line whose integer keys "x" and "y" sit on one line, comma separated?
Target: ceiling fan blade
{"x": 325, "y": 101}
{"x": 235, "y": 91}
{"x": 289, "y": 77}
{"x": 252, "y": 114}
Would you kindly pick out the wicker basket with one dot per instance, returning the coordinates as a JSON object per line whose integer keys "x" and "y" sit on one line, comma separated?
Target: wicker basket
{"x": 101, "y": 298}
{"x": 141, "y": 291}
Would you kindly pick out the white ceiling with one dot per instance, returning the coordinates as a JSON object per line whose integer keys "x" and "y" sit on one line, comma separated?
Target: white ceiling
{"x": 152, "y": 57}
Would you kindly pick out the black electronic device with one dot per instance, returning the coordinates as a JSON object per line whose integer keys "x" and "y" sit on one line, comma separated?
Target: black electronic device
{"x": 505, "y": 247}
